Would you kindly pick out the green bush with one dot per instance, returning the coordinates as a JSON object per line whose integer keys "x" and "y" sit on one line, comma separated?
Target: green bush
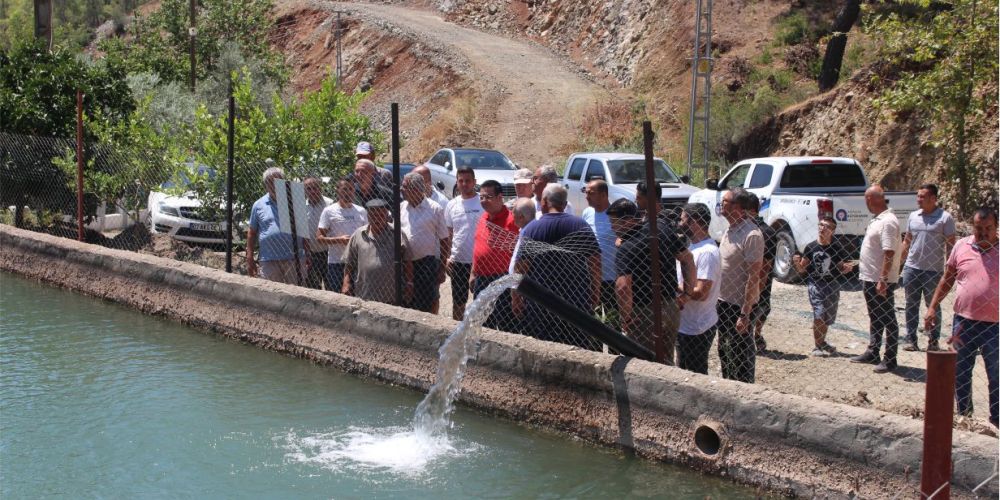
{"x": 792, "y": 29}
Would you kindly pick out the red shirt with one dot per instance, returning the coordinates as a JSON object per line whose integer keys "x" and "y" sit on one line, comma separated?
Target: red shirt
{"x": 494, "y": 245}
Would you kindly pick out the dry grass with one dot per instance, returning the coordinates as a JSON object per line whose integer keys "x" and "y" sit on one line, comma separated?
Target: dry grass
{"x": 454, "y": 126}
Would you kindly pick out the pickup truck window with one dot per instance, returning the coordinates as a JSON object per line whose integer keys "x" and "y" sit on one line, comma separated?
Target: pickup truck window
{"x": 482, "y": 160}
{"x": 576, "y": 168}
{"x": 595, "y": 170}
{"x": 736, "y": 178}
{"x": 825, "y": 175}
{"x": 634, "y": 171}
{"x": 761, "y": 176}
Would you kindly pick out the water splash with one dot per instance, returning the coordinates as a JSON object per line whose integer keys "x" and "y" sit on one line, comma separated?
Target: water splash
{"x": 409, "y": 451}
{"x": 432, "y": 415}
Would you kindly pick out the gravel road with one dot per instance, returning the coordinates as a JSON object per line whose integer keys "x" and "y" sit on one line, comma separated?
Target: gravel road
{"x": 533, "y": 95}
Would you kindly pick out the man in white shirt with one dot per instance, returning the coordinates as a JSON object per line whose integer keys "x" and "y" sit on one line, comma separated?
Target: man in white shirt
{"x": 317, "y": 252}
{"x": 422, "y": 221}
{"x": 699, "y": 315}
{"x": 545, "y": 175}
{"x": 461, "y": 216}
{"x": 336, "y": 225}
{"x": 879, "y": 272}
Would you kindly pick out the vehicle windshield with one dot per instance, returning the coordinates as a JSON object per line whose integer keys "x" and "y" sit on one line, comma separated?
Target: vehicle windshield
{"x": 634, "y": 171}
{"x": 823, "y": 175}
{"x": 183, "y": 179}
{"x": 478, "y": 159}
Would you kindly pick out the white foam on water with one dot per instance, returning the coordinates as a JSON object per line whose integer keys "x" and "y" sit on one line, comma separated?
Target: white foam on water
{"x": 396, "y": 449}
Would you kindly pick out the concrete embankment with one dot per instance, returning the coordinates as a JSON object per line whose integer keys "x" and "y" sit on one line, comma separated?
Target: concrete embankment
{"x": 784, "y": 443}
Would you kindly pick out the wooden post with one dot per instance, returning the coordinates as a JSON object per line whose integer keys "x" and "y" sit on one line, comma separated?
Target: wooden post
{"x": 939, "y": 407}
{"x": 654, "y": 241}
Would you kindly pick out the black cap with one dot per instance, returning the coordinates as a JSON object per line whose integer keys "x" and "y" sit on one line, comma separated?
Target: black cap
{"x": 623, "y": 208}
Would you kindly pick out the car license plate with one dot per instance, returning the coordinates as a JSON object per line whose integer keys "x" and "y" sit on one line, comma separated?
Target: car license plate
{"x": 204, "y": 226}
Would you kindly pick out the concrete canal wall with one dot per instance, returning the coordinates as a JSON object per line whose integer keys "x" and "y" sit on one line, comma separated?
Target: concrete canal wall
{"x": 784, "y": 443}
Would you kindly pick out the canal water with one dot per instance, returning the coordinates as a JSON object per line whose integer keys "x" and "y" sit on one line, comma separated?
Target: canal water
{"x": 98, "y": 400}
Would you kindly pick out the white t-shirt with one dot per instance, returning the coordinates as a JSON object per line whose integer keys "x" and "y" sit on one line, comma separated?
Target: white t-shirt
{"x": 340, "y": 221}
{"x": 424, "y": 227}
{"x": 700, "y": 315}
{"x": 461, "y": 216}
{"x": 882, "y": 234}
{"x": 538, "y": 208}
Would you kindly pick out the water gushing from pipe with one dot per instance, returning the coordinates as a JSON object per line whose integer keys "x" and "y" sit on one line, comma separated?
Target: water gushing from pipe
{"x": 432, "y": 415}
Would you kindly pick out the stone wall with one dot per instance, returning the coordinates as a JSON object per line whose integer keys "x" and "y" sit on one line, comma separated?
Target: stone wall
{"x": 783, "y": 443}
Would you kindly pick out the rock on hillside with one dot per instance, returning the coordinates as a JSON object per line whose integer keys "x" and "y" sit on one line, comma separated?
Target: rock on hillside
{"x": 897, "y": 151}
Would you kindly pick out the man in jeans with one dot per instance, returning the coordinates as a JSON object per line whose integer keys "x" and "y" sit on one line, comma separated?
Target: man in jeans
{"x": 879, "y": 274}
{"x": 742, "y": 255}
{"x": 973, "y": 264}
{"x": 930, "y": 234}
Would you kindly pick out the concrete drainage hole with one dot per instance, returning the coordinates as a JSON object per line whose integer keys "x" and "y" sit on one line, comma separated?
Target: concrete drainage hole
{"x": 707, "y": 440}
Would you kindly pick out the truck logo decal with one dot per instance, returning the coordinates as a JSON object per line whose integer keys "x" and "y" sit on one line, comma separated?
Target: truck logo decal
{"x": 841, "y": 215}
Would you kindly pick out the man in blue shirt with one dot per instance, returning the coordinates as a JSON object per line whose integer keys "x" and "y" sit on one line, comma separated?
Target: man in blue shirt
{"x": 596, "y": 217}
{"x": 560, "y": 252}
{"x": 277, "y": 260}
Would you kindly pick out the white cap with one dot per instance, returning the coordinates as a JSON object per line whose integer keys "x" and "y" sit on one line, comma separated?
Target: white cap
{"x": 522, "y": 176}
{"x": 363, "y": 148}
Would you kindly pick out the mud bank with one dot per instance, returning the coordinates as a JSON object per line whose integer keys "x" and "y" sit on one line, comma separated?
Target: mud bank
{"x": 786, "y": 444}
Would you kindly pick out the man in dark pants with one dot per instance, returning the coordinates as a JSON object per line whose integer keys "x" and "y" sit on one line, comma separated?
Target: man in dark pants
{"x": 699, "y": 315}
{"x": 763, "y": 308}
{"x": 422, "y": 222}
{"x": 742, "y": 253}
{"x": 879, "y": 272}
{"x": 496, "y": 235}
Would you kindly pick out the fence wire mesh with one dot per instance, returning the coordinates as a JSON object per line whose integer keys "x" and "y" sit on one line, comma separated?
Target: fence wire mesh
{"x": 821, "y": 331}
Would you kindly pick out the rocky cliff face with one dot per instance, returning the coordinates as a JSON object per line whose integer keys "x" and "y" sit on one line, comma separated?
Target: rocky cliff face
{"x": 897, "y": 151}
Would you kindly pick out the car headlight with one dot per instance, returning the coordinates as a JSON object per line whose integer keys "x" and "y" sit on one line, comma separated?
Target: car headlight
{"x": 168, "y": 210}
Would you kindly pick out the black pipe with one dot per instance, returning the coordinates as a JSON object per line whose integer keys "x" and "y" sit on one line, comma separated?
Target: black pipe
{"x": 229, "y": 179}
{"x": 397, "y": 226}
{"x": 582, "y": 320}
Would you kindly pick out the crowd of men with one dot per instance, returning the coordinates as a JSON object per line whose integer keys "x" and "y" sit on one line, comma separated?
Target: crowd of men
{"x": 600, "y": 262}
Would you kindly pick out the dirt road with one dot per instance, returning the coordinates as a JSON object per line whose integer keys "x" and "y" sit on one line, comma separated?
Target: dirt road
{"x": 531, "y": 95}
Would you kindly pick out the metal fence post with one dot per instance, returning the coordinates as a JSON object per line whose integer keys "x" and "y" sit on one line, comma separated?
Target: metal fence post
{"x": 397, "y": 227}
{"x": 654, "y": 242}
{"x": 79, "y": 165}
{"x": 935, "y": 468}
{"x": 229, "y": 180}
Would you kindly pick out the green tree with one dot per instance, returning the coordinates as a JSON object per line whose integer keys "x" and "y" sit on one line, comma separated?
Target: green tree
{"x": 314, "y": 134}
{"x": 943, "y": 66}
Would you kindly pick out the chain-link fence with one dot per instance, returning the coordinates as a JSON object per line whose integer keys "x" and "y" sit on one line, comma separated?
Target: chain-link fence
{"x": 838, "y": 320}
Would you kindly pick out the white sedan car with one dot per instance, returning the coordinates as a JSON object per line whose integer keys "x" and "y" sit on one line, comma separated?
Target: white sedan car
{"x": 486, "y": 163}
{"x": 182, "y": 217}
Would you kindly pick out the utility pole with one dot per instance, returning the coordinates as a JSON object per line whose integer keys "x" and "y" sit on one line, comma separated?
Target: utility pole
{"x": 43, "y": 22}
{"x": 192, "y": 33}
{"x": 337, "y": 31}
{"x": 701, "y": 86}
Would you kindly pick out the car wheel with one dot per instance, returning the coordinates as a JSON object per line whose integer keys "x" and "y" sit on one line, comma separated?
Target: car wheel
{"x": 785, "y": 248}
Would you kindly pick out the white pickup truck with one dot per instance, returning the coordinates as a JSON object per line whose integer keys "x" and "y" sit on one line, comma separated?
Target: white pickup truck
{"x": 795, "y": 192}
{"x": 622, "y": 172}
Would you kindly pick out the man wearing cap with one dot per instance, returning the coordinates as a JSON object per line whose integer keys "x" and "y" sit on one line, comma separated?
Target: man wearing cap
{"x": 422, "y": 222}
{"x": 277, "y": 259}
{"x": 634, "y": 281}
{"x": 369, "y": 184}
{"x": 523, "y": 187}
{"x": 369, "y": 270}
{"x": 545, "y": 175}
{"x": 365, "y": 151}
